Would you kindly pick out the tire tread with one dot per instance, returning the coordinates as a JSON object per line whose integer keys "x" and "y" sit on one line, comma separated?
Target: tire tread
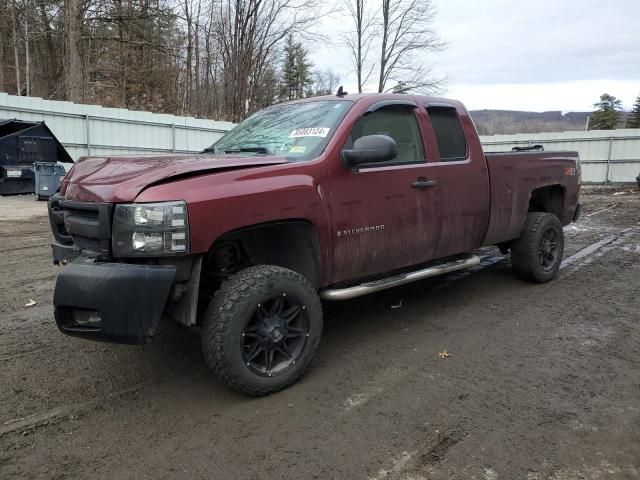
{"x": 222, "y": 312}
{"x": 523, "y": 250}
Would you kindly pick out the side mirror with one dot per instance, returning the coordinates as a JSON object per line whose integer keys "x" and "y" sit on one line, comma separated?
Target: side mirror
{"x": 370, "y": 149}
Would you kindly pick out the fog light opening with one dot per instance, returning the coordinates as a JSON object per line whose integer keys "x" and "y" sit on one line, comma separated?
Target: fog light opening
{"x": 89, "y": 319}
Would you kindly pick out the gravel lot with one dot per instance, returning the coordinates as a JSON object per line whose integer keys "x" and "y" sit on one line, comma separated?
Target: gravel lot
{"x": 543, "y": 381}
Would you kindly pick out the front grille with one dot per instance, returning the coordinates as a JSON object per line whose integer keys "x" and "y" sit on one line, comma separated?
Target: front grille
{"x": 83, "y": 226}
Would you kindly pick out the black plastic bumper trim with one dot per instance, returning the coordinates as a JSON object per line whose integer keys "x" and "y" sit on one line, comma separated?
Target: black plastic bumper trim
{"x": 129, "y": 298}
{"x": 63, "y": 253}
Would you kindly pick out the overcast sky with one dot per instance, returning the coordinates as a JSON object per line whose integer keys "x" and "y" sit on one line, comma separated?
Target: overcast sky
{"x": 528, "y": 55}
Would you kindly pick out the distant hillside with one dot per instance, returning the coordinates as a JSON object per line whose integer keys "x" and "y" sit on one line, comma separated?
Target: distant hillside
{"x": 490, "y": 122}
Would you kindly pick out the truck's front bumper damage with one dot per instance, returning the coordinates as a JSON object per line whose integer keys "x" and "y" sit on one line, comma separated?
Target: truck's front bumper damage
{"x": 113, "y": 302}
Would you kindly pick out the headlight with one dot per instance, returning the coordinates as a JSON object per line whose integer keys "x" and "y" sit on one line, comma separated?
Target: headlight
{"x": 150, "y": 229}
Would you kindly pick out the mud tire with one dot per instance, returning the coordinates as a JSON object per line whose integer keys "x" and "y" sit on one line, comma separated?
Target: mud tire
{"x": 526, "y": 250}
{"x": 230, "y": 310}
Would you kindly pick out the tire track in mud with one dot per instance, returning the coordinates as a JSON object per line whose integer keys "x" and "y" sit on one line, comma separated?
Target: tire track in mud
{"x": 433, "y": 451}
{"x": 609, "y": 207}
{"x": 61, "y": 412}
{"x": 599, "y": 248}
{"x": 65, "y": 411}
{"x": 183, "y": 362}
{"x": 575, "y": 260}
{"x": 18, "y": 249}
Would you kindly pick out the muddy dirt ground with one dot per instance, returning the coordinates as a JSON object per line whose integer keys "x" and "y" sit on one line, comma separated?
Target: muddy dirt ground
{"x": 543, "y": 381}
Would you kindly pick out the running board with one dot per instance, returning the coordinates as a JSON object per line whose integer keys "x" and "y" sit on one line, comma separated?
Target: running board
{"x": 400, "y": 279}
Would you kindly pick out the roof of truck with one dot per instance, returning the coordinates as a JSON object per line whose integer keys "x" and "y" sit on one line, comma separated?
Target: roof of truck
{"x": 355, "y": 97}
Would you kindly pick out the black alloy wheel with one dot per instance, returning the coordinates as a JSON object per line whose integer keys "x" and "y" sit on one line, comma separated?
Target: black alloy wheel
{"x": 549, "y": 249}
{"x": 262, "y": 329}
{"x": 275, "y": 336}
{"x": 536, "y": 255}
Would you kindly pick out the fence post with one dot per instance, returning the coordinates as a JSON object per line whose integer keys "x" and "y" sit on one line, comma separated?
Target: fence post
{"x": 173, "y": 137}
{"x": 86, "y": 123}
{"x": 606, "y": 178}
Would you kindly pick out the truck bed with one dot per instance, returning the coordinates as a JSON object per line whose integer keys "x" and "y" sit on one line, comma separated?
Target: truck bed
{"x": 512, "y": 178}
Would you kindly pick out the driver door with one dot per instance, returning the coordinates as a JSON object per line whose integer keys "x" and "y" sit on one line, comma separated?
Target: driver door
{"x": 383, "y": 215}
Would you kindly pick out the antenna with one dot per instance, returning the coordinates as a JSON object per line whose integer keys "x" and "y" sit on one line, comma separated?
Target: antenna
{"x": 341, "y": 93}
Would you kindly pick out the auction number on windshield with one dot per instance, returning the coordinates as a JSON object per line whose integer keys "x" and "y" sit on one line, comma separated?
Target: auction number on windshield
{"x": 310, "y": 132}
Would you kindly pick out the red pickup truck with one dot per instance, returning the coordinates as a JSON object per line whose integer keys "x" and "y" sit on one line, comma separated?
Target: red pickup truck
{"x": 325, "y": 198}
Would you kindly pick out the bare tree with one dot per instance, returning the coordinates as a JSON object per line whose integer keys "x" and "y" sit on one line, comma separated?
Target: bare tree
{"x": 27, "y": 50}
{"x": 211, "y": 58}
{"x": 5, "y": 30}
{"x": 325, "y": 82}
{"x": 15, "y": 47}
{"x": 48, "y": 48}
{"x": 249, "y": 33}
{"x": 406, "y": 36}
{"x": 72, "y": 64}
{"x": 360, "y": 40}
{"x": 1, "y": 65}
{"x": 192, "y": 32}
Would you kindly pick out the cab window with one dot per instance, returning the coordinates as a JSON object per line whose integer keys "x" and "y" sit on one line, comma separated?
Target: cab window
{"x": 449, "y": 135}
{"x": 398, "y": 123}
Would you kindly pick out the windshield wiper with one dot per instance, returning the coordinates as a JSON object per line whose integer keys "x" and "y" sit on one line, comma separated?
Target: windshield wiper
{"x": 249, "y": 149}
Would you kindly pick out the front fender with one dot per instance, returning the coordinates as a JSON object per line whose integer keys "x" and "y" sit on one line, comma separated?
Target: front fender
{"x": 228, "y": 201}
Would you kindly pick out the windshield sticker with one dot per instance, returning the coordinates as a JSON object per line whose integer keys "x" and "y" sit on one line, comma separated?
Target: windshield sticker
{"x": 310, "y": 132}
{"x": 297, "y": 149}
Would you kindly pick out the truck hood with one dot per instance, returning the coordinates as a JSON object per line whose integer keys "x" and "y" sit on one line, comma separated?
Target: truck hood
{"x": 121, "y": 179}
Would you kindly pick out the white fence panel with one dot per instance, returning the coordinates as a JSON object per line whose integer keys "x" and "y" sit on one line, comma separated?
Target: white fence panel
{"x": 607, "y": 155}
{"x": 95, "y": 130}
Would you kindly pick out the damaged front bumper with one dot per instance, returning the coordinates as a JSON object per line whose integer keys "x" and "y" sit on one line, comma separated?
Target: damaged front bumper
{"x": 112, "y": 302}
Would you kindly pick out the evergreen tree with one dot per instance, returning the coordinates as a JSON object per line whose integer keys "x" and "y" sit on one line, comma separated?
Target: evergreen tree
{"x": 297, "y": 80}
{"x": 607, "y": 114}
{"x": 634, "y": 117}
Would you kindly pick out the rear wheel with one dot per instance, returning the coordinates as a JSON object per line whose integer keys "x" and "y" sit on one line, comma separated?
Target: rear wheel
{"x": 262, "y": 329}
{"x": 536, "y": 255}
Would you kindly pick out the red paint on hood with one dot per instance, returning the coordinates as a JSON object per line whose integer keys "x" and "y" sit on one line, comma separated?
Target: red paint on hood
{"x": 121, "y": 179}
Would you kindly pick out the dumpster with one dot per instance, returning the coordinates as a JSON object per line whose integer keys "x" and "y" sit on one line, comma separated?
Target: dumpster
{"x": 48, "y": 177}
{"x": 22, "y": 143}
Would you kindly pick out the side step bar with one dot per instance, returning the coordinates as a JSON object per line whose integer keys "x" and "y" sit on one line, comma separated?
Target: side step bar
{"x": 377, "y": 285}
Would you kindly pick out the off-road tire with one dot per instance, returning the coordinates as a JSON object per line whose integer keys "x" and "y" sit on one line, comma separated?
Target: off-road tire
{"x": 234, "y": 304}
{"x": 524, "y": 251}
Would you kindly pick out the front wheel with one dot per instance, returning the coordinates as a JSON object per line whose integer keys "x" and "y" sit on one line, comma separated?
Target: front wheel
{"x": 536, "y": 255}
{"x": 261, "y": 329}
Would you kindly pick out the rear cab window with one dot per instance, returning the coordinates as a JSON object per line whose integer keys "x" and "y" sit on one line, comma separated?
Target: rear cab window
{"x": 452, "y": 142}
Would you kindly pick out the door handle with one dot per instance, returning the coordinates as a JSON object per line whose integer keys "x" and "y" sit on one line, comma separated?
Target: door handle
{"x": 422, "y": 183}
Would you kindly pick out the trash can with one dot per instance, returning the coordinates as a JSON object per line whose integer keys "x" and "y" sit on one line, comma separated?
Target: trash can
{"x": 48, "y": 177}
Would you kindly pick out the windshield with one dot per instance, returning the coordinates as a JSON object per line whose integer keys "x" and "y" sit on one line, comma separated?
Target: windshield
{"x": 296, "y": 131}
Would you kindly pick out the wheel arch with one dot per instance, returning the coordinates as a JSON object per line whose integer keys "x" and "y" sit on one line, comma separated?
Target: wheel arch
{"x": 545, "y": 199}
{"x": 548, "y": 199}
{"x": 290, "y": 243}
